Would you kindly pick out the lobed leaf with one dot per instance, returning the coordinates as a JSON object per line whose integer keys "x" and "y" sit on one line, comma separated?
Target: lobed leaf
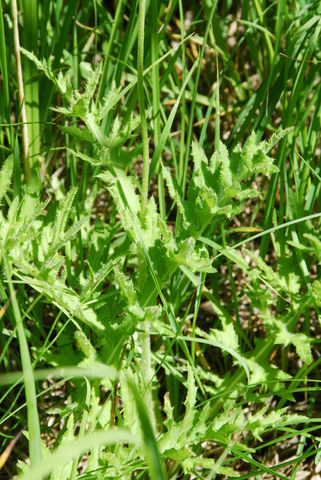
{"x": 62, "y": 216}
{"x": 5, "y": 176}
{"x": 217, "y": 183}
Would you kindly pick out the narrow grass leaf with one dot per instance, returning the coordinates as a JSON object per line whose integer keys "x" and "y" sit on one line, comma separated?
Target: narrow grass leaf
{"x": 154, "y": 458}
{"x": 75, "y": 449}
{"x": 99, "y": 371}
{"x": 29, "y": 382}
{"x": 168, "y": 124}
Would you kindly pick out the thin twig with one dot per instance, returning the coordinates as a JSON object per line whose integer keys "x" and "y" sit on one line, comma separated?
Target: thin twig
{"x": 25, "y": 136}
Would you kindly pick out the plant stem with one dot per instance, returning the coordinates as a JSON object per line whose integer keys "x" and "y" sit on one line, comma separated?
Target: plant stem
{"x": 147, "y": 369}
{"x": 156, "y": 103}
{"x": 25, "y": 136}
{"x": 192, "y": 110}
{"x": 217, "y": 116}
{"x": 103, "y": 81}
{"x": 82, "y": 429}
{"x": 183, "y": 108}
{"x": 145, "y": 338}
{"x": 141, "y": 102}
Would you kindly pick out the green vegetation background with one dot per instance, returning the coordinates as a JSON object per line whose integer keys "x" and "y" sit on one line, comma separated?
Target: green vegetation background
{"x": 160, "y": 239}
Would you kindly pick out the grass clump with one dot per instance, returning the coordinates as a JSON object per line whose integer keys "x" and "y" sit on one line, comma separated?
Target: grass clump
{"x": 159, "y": 240}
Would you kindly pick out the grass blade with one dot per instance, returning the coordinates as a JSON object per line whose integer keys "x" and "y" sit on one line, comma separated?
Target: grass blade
{"x": 153, "y": 456}
{"x": 29, "y": 383}
{"x": 75, "y": 449}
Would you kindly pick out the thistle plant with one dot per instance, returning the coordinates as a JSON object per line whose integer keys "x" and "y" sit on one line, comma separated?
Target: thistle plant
{"x": 155, "y": 340}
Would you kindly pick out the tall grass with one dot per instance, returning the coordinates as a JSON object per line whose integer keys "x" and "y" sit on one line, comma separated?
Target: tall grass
{"x": 159, "y": 239}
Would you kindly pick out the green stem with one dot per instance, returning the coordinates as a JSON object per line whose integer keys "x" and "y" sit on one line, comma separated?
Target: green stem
{"x": 147, "y": 368}
{"x": 198, "y": 299}
{"x": 103, "y": 81}
{"x": 141, "y": 102}
{"x": 183, "y": 108}
{"x": 29, "y": 383}
{"x": 83, "y": 425}
{"x": 217, "y": 116}
{"x": 145, "y": 339}
{"x": 156, "y": 103}
{"x": 192, "y": 110}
